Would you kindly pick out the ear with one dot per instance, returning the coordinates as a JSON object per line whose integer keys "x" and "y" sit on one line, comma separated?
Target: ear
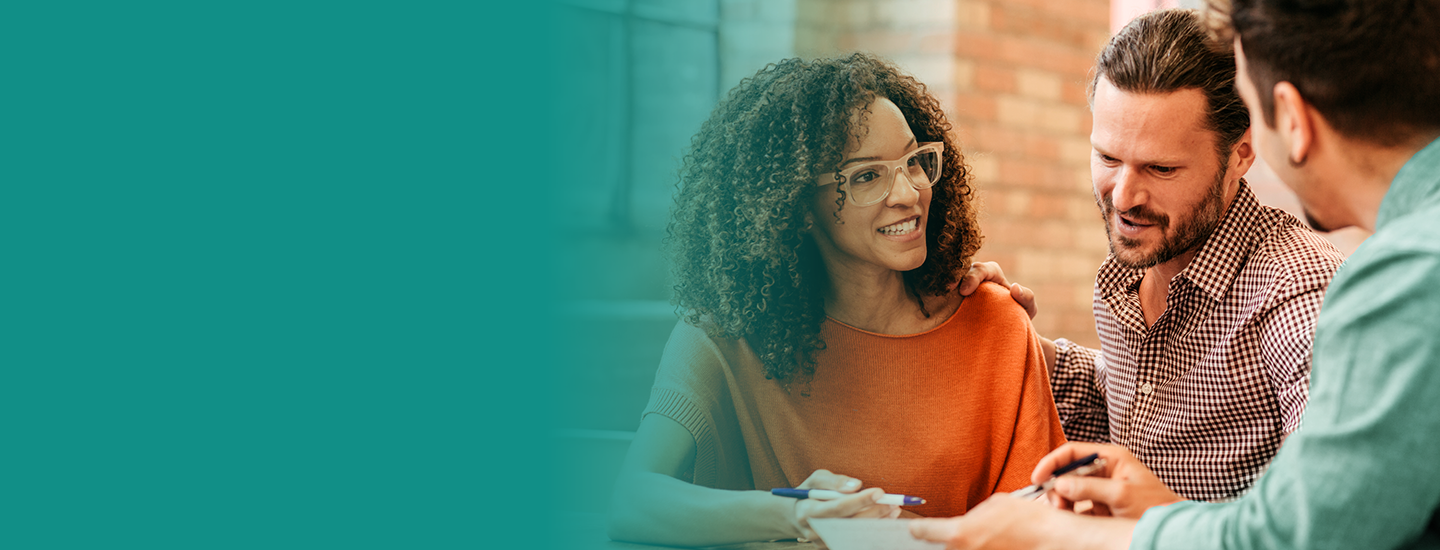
{"x": 1242, "y": 157}
{"x": 1293, "y": 122}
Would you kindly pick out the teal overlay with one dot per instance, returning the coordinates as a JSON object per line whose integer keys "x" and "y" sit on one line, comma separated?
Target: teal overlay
{"x": 276, "y": 275}
{"x": 636, "y": 79}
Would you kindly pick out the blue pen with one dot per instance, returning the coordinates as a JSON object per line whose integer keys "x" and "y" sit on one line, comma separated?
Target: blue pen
{"x": 821, "y": 494}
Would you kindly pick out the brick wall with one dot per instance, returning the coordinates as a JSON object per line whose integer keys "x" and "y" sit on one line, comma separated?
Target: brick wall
{"x": 1012, "y": 76}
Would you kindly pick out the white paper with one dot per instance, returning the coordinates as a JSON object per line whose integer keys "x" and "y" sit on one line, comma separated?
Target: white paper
{"x": 869, "y": 534}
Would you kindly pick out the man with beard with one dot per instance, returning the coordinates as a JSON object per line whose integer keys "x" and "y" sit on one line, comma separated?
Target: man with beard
{"x": 1206, "y": 305}
{"x": 1345, "y": 99}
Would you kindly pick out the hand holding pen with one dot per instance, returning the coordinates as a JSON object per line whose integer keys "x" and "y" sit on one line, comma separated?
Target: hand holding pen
{"x": 1080, "y": 467}
{"x": 1121, "y": 486}
{"x": 852, "y": 502}
{"x": 821, "y": 494}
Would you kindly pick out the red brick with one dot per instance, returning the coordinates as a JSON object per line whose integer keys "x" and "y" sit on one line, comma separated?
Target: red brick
{"x": 1032, "y": 216}
{"x": 1090, "y": 13}
{"x": 977, "y": 45}
{"x": 1022, "y": 173}
{"x": 1056, "y": 233}
{"x": 1082, "y": 208}
{"x": 1009, "y": 201}
{"x": 1043, "y": 54}
{"x": 1008, "y": 233}
{"x": 970, "y": 106}
{"x": 1048, "y": 206}
{"x": 1025, "y": 21}
{"x": 1028, "y": 173}
{"x": 1072, "y": 92}
{"x": 1057, "y": 298}
{"x": 999, "y": 139}
{"x": 1042, "y": 147}
{"x": 994, "y": 78}
{"x": 1046, "y": 321}
{"x": 1024, "y": 51}
{"x": 1080, "y": 327}
{"x": 936, "y": 42}
{"x": 999, "y": 255}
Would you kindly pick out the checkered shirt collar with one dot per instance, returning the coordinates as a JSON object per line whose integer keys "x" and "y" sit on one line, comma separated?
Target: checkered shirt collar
{"x": 1219, "y": 260}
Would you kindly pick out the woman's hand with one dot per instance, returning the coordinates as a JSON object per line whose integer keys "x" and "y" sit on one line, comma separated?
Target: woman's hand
{"x": 860, "y": 504}
{"x": 990, "y": 271}
{"x": 1123, "y": 488}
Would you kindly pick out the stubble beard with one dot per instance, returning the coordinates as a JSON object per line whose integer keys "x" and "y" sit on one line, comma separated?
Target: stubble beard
{"x": 1190, "y": 232}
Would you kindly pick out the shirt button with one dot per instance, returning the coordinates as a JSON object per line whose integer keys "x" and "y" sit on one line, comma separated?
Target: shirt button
{"x": 1146, "y": 388}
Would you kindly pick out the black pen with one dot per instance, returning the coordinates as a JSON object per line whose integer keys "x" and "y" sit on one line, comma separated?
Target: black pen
{"x": 1081, "y": 467}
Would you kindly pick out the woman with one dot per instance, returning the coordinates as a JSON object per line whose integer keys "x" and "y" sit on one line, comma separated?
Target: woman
{"x": 823, "y": 215}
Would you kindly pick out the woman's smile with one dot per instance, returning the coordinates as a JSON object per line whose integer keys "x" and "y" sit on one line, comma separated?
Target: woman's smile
{"x": 904, "y": 230}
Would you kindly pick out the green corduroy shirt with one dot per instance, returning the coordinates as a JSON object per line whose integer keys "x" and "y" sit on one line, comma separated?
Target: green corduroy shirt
{"x": 1363, "y": 471}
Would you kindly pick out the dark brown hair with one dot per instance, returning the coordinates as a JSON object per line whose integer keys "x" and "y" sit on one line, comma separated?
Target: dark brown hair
{"x": 744, "y": 263}
{"x": 1167, "y": 51}
{"x": 1370, "y": 67}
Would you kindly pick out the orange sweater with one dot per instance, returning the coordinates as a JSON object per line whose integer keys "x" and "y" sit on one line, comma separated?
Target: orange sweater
{"x": 951, "y": 415}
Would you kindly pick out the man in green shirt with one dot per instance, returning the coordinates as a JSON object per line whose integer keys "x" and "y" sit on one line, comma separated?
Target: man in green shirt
{"x": 1349, "y": 97}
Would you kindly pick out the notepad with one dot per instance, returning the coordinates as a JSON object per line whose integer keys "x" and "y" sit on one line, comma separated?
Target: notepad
{"x": 869, "y": 534}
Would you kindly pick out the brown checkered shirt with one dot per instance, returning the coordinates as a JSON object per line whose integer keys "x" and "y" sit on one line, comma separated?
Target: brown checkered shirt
{"x": 1205, "y": 396}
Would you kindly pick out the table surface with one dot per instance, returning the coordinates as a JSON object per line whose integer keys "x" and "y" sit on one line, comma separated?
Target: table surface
{"x": 583, "y": 531}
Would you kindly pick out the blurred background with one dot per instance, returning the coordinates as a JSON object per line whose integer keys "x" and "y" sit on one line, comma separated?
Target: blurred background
{"x": 638, "y": 78}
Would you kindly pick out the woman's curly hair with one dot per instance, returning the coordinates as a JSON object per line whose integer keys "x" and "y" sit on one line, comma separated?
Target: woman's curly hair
{"x": 744, "y": 263}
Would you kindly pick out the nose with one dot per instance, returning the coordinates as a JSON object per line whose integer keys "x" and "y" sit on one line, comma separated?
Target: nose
{"x": 902, "y": 190}
{"x": 1127, "y": 192}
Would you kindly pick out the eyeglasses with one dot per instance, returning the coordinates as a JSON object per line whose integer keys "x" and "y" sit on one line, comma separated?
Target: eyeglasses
{"x": 870, "y": 182}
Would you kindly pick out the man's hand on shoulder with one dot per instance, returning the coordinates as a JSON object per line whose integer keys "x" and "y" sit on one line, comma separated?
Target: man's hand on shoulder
{"x": 990, "y": 271}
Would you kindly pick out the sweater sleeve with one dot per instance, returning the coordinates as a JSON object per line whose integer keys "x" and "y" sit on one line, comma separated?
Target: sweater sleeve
{"x": 1037, "y": 428}
{"x": 690, "y": 389}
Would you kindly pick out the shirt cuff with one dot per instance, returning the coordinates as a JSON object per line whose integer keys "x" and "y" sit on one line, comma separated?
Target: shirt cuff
{"x": 1174, "y": 526}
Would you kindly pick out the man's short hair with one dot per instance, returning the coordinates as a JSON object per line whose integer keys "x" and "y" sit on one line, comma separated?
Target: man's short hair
{"x": 1371, "y": 68}
{"x": 1167, "y": 51}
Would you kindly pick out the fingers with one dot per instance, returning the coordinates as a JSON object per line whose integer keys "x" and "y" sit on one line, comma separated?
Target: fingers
{"x": 1098, "y": 509}
{"x": 1059, "y": 501}
{"x": 979, "y": 273}
{"x": 990, "y": 271}
{"x": 1061, "y": 456}
{"x": 1072, "y": 451}
{"x": 937, "y": 530}
{"x": 970, "y": 281}
{"x": 878, "y": 511}
{"x": 851, "y": 506}
{"x": 1025, "y": 297}
{"x": 1099, "y": 490}
{"x": 860, "y": 505}
{"x": 824, "y": 479}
